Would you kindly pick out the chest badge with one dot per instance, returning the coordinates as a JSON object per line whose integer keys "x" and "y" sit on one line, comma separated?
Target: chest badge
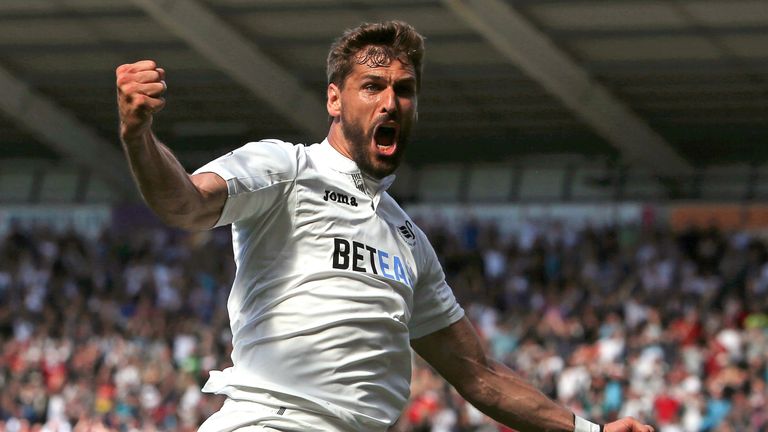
{"x": 406, "y": 232}
{"x": 357, "y": 178}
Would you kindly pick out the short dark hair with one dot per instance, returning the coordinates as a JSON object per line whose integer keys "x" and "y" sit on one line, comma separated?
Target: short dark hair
{"x": 391, "y": 40}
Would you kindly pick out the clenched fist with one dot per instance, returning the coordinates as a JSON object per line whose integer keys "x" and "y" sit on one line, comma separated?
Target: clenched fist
{"x": 140, "y": 89}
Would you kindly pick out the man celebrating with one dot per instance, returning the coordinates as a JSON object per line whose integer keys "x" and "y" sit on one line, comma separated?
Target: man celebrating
{"x": 334, "y": 282}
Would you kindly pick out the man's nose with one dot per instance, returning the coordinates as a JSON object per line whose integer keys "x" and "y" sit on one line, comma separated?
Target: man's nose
{"x": 388, "y": 101}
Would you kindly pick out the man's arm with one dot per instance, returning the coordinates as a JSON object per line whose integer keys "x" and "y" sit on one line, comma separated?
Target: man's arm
{"x": 457, "y": 354}
{"x": 191, "y": 202}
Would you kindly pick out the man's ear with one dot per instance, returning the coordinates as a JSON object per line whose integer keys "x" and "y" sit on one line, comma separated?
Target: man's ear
{"x": 333, "y": 104}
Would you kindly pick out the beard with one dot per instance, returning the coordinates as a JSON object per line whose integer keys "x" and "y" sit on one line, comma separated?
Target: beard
{"x": 375, "y": 165}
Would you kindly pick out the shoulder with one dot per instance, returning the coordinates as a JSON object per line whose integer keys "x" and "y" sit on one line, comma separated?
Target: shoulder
{"x": 391, "y": 209}
{"x": 273, "y": 147}
{"x": 398, "y": 217}
{"x": 275, "y": 155}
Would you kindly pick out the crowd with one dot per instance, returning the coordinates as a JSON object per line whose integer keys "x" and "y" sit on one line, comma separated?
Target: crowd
{"x": 118, "y": 332}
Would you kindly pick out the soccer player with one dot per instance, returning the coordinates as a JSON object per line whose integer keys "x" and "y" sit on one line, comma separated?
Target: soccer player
{"x": 334, "y": 284}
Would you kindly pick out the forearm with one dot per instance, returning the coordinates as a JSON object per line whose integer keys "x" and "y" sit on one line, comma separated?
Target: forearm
{"x": 162, "y": 180}
{"x": 457, "y": 354}
{"x": 509, "y": 399}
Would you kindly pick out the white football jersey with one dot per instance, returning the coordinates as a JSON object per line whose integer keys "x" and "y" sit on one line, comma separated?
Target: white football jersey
{"x": 332, "y": 281}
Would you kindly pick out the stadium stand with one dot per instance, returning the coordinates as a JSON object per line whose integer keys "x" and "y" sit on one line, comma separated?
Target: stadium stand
{"x": 117, "y": 332}
{"x": 571, "y": 130}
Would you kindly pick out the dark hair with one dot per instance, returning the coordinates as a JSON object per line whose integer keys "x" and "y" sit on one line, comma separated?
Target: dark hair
{"x": 385, "y": 41}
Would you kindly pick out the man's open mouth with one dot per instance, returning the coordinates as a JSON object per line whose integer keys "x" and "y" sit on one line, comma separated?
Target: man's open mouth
{"x": 385, "y": 137}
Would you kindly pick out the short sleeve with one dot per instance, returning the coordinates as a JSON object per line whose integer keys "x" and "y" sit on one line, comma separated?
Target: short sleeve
{"x": 435, "y": 307}
{"x": 258, "y": 175}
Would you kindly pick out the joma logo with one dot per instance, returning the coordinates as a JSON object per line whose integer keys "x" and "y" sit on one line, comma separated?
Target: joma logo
{"x": 339, "y": 198}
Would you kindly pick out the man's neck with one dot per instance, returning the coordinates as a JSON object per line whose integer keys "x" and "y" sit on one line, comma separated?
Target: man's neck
{"x": 338, "y": 141}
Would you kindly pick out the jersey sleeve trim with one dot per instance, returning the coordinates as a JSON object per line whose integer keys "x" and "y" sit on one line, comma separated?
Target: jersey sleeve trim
{"x": 236, "y": 199}
{"x": 455, "y": 314}
{"x": 259, "y": 175}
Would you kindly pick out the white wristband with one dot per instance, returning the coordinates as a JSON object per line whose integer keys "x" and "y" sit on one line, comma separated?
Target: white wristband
{"x": 584, "y": 425}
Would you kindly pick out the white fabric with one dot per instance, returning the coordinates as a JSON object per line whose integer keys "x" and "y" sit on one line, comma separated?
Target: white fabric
{"x": 332, "y": 280}
{"x": 583, "y": 425}
{"x": 272, "y": 415}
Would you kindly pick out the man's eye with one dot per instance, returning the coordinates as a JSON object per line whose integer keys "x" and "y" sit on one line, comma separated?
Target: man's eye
{"x": 371, "y": 87}
{"x": 406, "y": 91}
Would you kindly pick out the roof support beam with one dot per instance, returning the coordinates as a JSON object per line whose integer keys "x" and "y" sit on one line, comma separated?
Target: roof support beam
{"x": 241, "y": 60}
{"x": 530, "y": 50}
{"x": 65, "y": 134}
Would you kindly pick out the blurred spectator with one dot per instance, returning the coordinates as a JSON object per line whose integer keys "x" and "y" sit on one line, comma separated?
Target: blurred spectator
{"x": 118, "y": 333}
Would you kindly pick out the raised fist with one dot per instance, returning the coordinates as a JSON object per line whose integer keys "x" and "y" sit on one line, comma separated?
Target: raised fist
{"x": 140, "y": 89}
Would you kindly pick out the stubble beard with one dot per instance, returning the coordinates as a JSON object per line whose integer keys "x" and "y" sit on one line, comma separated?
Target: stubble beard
{"x": 360, "y": 150}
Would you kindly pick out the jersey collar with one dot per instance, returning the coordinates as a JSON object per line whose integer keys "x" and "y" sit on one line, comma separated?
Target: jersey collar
{"x": 341, "y": 163}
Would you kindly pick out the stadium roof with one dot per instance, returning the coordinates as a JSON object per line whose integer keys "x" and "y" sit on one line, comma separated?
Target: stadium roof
{"x": 670, "y": 86}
